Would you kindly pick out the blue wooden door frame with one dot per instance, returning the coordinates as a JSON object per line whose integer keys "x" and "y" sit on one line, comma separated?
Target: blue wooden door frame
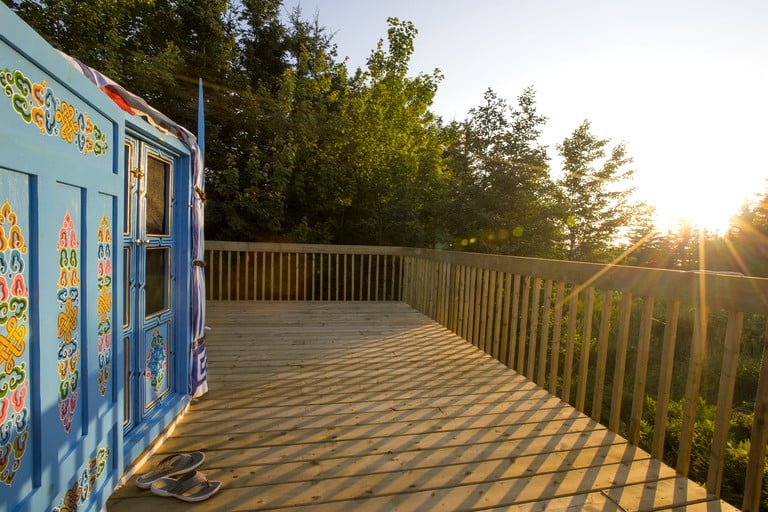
{"x": 156, "y": 397}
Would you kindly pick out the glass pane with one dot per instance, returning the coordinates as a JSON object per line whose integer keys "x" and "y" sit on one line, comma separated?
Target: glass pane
{"x": 127, "y": 377}
{"x": 158, "y": 196}
{"x": 157, "y": 280}
{"x": 128, "y": 195}
{"x": 126, "y": 287}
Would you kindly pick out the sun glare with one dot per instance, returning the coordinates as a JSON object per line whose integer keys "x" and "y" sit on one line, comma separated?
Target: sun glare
{"x": 704, "y": 209}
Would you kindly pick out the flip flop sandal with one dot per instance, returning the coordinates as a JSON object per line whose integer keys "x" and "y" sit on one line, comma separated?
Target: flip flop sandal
{"x": 192, "y": 487}
{"x": 175, "y": 464}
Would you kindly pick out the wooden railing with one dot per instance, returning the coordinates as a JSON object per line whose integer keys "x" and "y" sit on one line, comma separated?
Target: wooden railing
{"x": 666, "y": 327}
{"x": 259, "y": 271}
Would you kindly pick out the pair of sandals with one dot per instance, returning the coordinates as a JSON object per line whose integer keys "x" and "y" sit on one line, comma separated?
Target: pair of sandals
{"x": 191, "y": 485}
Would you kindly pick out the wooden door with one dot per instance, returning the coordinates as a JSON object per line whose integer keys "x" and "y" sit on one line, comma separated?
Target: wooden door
{"x": 149, "y": 253}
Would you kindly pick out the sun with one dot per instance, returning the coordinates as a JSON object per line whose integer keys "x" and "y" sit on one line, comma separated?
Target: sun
{"x": 704, "y": 207}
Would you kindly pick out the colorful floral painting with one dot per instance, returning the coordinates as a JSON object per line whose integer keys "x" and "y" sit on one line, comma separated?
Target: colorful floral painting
{"x": 81, "y": 490}
{"x": 14, "y": 319}
{"x": 156, "y": 361}
{"x": 68, "y": 330}
{"x": 104, "y": 303}
{"x": 37, "y": 104}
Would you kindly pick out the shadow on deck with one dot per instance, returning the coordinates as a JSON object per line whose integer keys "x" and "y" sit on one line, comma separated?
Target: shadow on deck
{"x": 373, "y": 406}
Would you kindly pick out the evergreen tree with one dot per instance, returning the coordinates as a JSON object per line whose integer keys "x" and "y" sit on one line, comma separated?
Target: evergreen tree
{"x": 507, "y": 170}
{"x": 596, "y": 204}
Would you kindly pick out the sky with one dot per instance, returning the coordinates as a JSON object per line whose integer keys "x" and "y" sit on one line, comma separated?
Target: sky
{"x": 683, "y": 83}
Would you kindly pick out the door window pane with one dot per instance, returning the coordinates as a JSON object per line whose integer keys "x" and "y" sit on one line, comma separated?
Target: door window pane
{"x": 127, "y": 375}
{"x": 126, "y": 286}
{"x": 128, "y": 196}
{"x": 157, "y": 286}
{"x": 158, "y": 196}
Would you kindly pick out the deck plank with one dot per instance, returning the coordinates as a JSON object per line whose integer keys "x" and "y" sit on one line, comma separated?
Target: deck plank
{"x": 372, "y": 406}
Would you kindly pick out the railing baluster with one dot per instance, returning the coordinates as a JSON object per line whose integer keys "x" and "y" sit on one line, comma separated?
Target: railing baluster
{"x": 465, "y": 302}
{"x": 394, "y": 277}
{"x": 229, "y": 276}
{"x": 556, "y": 331}
{"x": 503, "y": 355}
{"x": 313, "y": 269}
{"x": 336, "y": 287}
{"x": 247, "y": 267}
{"x": 344, "y": 279}
{"x": 570, "y": 340}
{"x": 524, "y": 308}
{"x": 237, "y": 275}
{"x": 498, "y": 312}
{"x": 586, "y": 342}
{"x": 272, "y": 276}
{"x": 472, "y": 327}
{"x": 665, "y": 378}
{"x": 541, "y": 374}
{"x": 641, "y": 370}
{"x": 695, "y": 367}
{"x": 370, "y": 257}
{"x": 621, "y": 361}
{"x": 602, "y": 355}
{"x": 484, "y": 300}
{"x": 534, "y": 330}
{"x": 264, "y": 276}
{"x": 221, "y": 275}
{"x": 513, "y": 336}
{"x": 461, "y": 311}
{"x": 725, "y": 401}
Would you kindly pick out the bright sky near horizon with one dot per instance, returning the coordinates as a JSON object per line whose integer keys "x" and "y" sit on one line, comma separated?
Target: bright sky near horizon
{"x": 684, "y": 83}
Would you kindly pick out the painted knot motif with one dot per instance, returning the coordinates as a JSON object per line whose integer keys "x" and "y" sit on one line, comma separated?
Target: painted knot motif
{"x": 37, "y": 104}
{"x": 77, "y": 495}
{"x": 14, "y": 305}
{"x": 104, "y": 303}
{"x": 156, "y": 361}
{"x": 68, "y": 331}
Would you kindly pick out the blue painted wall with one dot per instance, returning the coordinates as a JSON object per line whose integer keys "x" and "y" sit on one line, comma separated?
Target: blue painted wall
{"x": 81, "y": 394}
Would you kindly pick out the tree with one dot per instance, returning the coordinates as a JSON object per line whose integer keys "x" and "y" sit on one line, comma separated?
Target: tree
{"x": 503, "y": 179}
{"x": 595, "y": 202}
{"x": 747, "y": 239}
{"x": 392, "y": 151}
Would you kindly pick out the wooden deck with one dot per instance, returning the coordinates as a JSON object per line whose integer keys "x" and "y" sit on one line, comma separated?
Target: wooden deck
{"x": 372, "y": 406}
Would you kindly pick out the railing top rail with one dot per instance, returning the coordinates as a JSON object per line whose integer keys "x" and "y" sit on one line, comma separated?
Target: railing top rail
{"x": 287, "y": 247}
